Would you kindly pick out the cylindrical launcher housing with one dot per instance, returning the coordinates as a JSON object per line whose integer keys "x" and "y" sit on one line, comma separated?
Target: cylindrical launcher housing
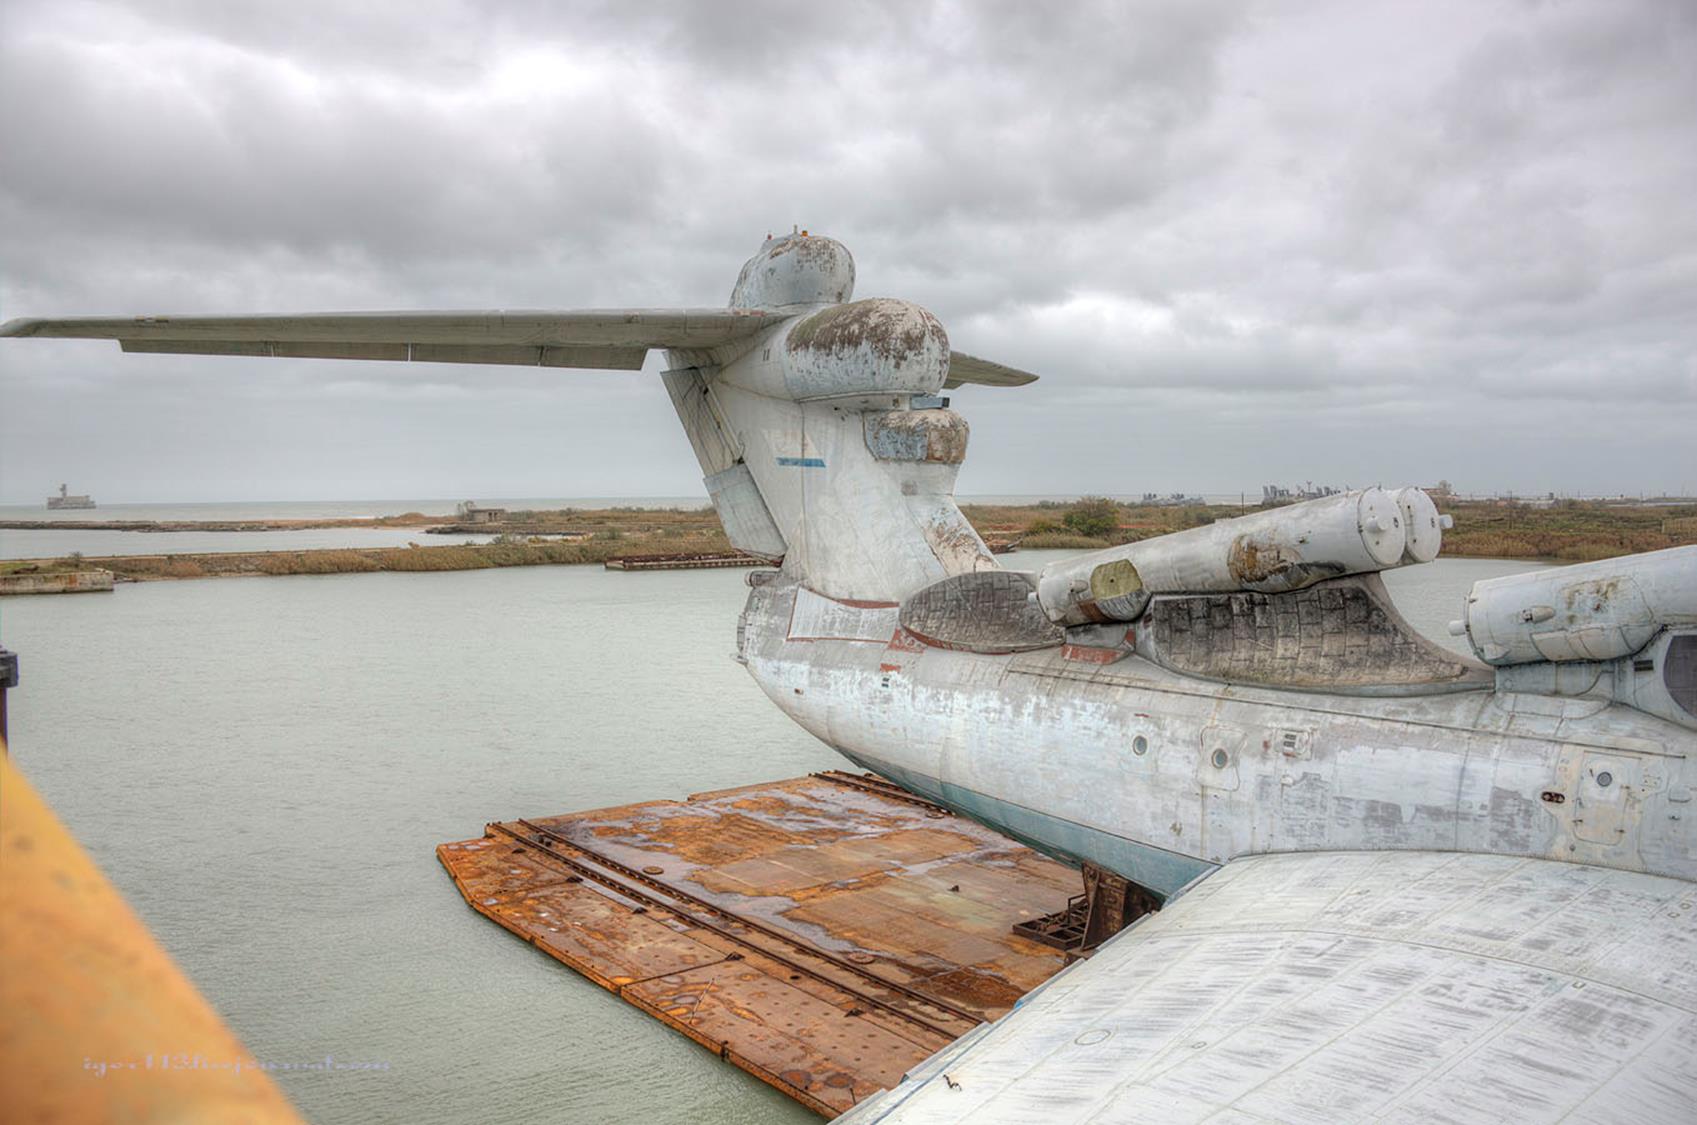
{"x": 1594, "y": 611}
{"x": 1268, "y": 552}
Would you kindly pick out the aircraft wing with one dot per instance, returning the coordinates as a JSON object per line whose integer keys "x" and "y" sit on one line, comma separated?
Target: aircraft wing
{"x": 965, "y": 368}
{"x": 603, "y": 338}
{"x": 614, "y": 339}
{"x": 1325, "y": 987}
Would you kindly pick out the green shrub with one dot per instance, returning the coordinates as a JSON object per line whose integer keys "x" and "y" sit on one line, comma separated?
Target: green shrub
{"x": 1094, "y": 517}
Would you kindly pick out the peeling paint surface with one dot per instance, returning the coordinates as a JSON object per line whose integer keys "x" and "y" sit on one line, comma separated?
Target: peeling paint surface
{"x": 1118, "y": 758}
{"x": 871, "y": 347}
{"x": 1341, "y": 636}
{"x": 1350, "y": 987}
{"x": 917, "y": 435}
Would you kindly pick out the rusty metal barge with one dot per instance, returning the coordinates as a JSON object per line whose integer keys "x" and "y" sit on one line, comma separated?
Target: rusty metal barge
{"x": 695, "y": 560}
{"x": 826, "y": 934}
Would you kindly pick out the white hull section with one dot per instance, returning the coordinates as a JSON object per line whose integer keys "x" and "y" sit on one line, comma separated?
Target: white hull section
{"x": 1161, "y": 777}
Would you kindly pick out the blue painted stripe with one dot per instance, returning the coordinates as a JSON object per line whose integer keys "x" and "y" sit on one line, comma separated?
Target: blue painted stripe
{"x": 803, "y": 462}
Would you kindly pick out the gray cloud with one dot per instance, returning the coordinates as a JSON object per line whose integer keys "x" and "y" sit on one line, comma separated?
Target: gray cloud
{"x": 1242, "y": 242}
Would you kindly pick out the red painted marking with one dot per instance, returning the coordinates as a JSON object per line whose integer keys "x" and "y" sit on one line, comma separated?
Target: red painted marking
{"x": 1089, "y": 654}
{"x": 889, "y": 667}
{"x": 904, "y": 641}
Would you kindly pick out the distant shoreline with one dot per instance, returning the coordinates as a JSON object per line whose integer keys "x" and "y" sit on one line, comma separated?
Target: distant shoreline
{"x": 1566, "y": 532}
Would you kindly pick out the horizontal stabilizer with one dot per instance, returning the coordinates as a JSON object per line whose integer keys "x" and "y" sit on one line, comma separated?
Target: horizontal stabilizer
{"x": 601, "y": 338}
{"x": 965, "y": 368}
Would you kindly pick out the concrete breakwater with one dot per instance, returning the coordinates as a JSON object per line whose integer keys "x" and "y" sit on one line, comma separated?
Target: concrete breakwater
{"x": 57, "y": 582}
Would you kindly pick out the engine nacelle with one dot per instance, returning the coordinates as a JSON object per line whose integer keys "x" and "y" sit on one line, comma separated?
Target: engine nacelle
{"x": 879, "y": 350}
{"x": 1595, "y": 611}
{"x": 1268, "y": 552}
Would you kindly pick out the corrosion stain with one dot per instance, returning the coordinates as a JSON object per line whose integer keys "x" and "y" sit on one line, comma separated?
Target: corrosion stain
{"x": 1269, "y": 568}
{"x": 892, "y": 330}
{"x": 1252, "y": 562}
{"x": 814, "y": 899}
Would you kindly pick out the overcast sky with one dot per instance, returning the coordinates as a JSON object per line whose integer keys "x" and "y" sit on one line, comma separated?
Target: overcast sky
{"x": 1349, "y": 242}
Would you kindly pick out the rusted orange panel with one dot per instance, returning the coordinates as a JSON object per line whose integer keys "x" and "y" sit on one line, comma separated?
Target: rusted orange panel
{"x": 96, "y": 1022}
{"x": 825, "y": 933}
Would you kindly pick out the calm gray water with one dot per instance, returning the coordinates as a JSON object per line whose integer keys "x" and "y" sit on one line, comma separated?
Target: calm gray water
{"x": 265, "y": 765}
{"x": 328, "y": 509}
{"x": 54, "y": 544}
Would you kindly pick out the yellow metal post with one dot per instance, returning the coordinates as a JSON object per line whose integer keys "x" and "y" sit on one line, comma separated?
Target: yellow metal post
{"x": 96, "y": 1022}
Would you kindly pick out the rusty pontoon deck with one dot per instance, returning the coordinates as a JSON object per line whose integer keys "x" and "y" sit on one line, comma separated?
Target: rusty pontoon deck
{"x": 824, "y": 934}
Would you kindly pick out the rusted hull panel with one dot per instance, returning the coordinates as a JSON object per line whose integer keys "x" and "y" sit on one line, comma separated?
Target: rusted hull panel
{"x": 825, "y": 934}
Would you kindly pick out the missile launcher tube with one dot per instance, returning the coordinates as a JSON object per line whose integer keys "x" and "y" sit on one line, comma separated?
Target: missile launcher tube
{"x": 1424, "y": 525}
{"x": 1268, "y": 552}
{"x": 1594, "y": 611}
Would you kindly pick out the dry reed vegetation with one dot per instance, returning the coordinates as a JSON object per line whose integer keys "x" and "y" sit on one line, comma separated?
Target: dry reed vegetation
{"x": 1569, "y": 532}
{"x": 365, "y": 560}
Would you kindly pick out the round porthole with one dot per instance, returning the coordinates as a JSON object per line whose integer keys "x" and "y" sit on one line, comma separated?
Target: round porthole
{"x": 1094, "y": 1036}
{"x": 1140, "y": 746}
{"x": 1220, "y": 759}
{"x": 1605, "y": 779}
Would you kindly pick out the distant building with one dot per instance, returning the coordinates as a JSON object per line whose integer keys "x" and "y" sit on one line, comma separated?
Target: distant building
{"x": 469, "y": 512}
{"x": 66, "y": 500}
{"x": 1276, "y": 494}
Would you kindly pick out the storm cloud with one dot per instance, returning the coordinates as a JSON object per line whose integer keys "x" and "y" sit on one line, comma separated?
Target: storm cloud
{"x": 1241, "y": 242}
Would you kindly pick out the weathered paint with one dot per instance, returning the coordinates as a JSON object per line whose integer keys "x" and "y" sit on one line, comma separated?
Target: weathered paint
{"x": 1148, "y": 765}
{"x": 1268, "y": 552}
{"x": 1137, "y": 752}
{"x": 1594, "y": 611}
{"x": 795, "y": 269}
{"x": 1313, "y": 989}
{"x": 1341, "y": 636}
{"x": 983, "y": 611}
{"x": 917, "y": 435}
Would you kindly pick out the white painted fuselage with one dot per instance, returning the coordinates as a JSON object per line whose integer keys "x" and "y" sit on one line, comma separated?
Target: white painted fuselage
{"x": 1161, "y": 776}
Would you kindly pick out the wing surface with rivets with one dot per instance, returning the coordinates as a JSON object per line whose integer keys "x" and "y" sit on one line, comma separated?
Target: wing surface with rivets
{"x": 1359, "y": 986}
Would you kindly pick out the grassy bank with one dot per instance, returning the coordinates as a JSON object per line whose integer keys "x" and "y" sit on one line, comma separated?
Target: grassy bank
{"x": 1566, "y": 532}
{"x": 363, "y": 560}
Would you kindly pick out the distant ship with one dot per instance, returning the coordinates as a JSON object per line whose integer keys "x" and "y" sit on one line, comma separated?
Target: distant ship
{"x": 66, "y": 500}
